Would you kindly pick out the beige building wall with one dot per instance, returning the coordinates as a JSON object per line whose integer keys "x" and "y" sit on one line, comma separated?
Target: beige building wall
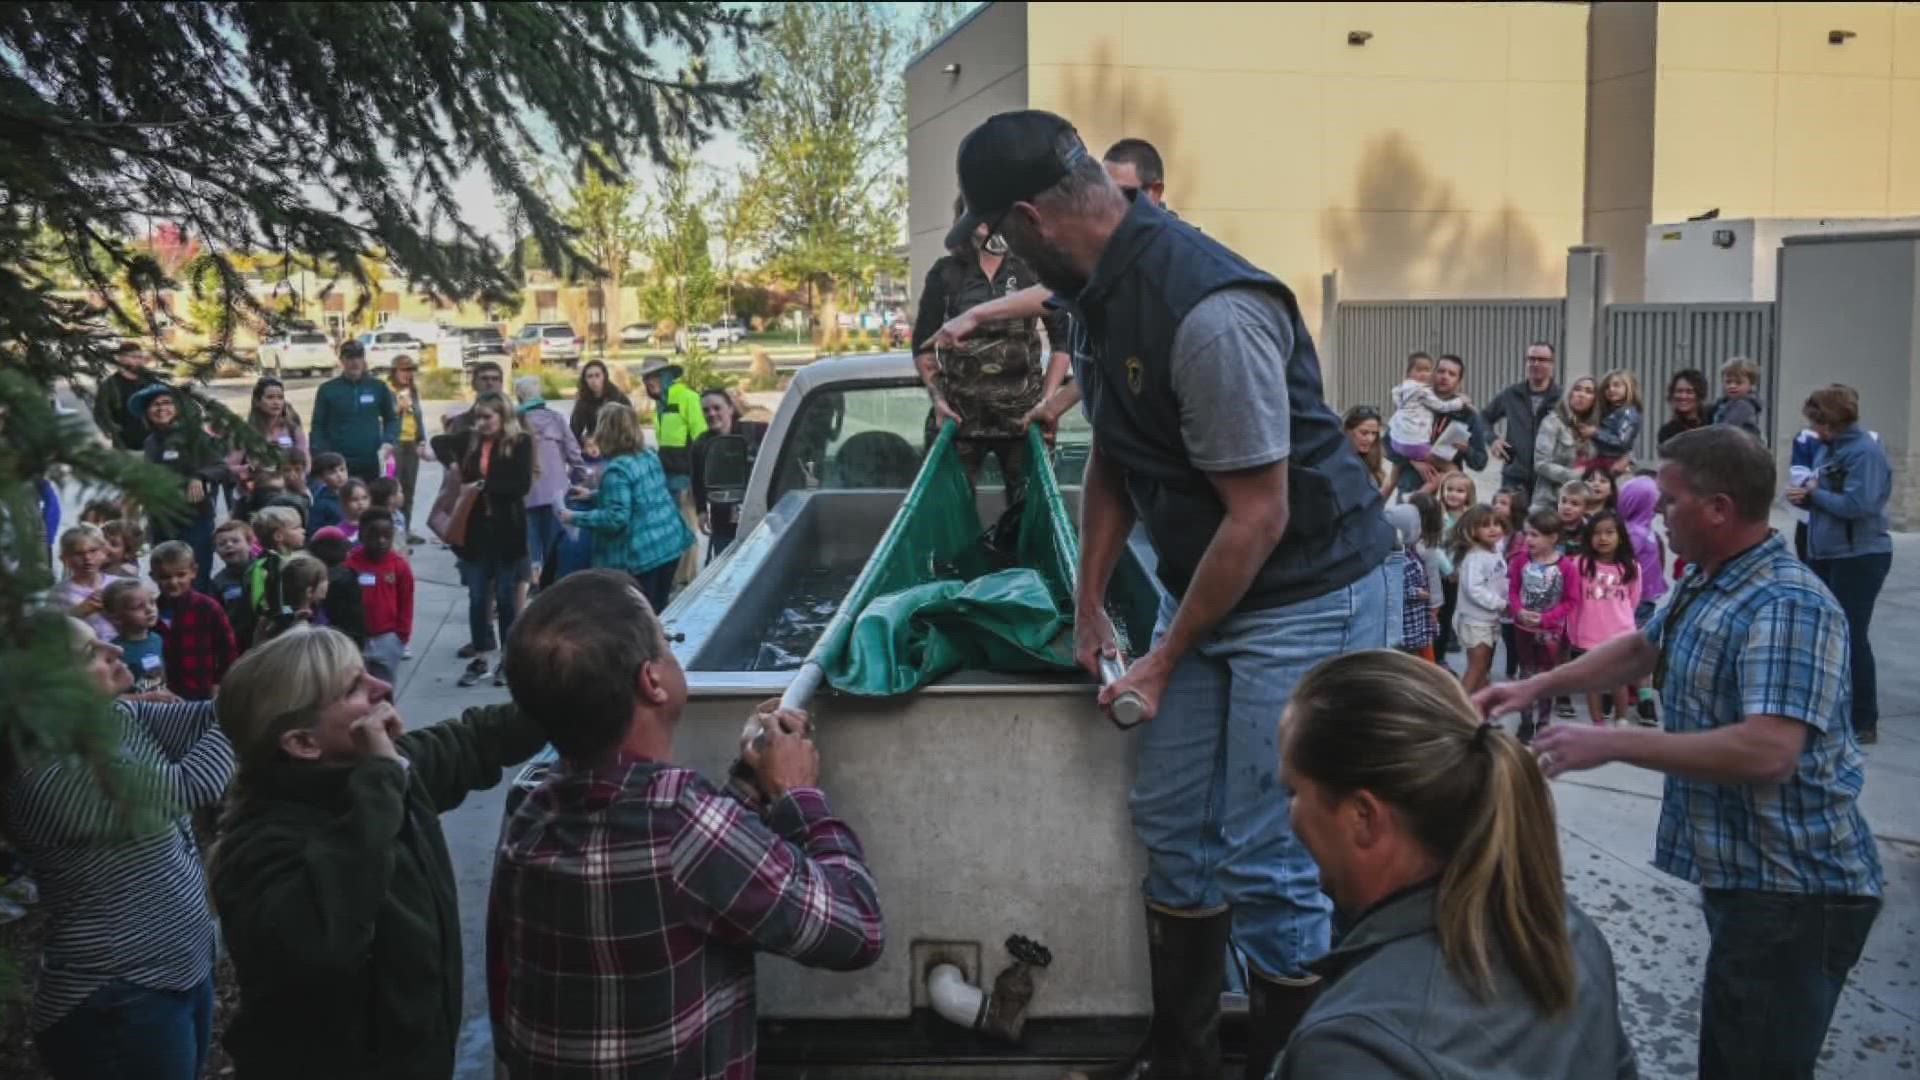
{"x": 1751, "y": 109}
{"x": 1443, "y": 157}
{"x": 1622, "y": 59}
{"x": 989, "y": 52}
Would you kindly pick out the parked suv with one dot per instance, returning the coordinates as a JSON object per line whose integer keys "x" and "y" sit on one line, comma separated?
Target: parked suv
{"x": 302, "y": 352}
{"x": 479, "y": 343}
{"x": 550, "y": 342}
{"x": 383, "y": 347}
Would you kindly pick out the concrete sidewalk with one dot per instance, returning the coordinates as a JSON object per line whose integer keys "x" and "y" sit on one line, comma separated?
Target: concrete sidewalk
{"x": 1606, "y": 821}
{"x": 1653, "y": 921}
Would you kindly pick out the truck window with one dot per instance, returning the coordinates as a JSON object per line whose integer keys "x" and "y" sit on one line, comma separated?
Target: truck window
{"x": 876, "y": 437}
{"x": 855, "y": 438}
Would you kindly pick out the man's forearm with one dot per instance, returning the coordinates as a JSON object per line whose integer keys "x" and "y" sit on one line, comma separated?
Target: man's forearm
{"x": 1724, "y": 755}
{"x": 1057, "y": 369}
{"x": 1623, "y": 660}
{"x": 1028, "y": 303}
{"x": 1239, "y": 549}
{"x": 929, "y": 368}
{"x": 1106, "y": 517}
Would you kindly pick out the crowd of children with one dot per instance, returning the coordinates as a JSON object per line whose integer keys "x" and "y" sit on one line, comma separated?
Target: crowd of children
{"x": 1548, "y": 584}
{"x": 299, "y": 546}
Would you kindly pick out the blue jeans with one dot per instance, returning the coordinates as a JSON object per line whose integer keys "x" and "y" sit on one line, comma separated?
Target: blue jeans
{"x": 1207, "y": 800}
{"x": 543, "y": 531}
{"x": 1856, "y": 583}
{"x": 495, "y": 578}
{"x": 128, "y": 1032}
{"x": 1775, "y": 968}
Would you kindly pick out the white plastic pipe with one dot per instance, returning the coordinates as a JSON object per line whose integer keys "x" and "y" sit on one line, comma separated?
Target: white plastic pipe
{"x": 954, "y": 999}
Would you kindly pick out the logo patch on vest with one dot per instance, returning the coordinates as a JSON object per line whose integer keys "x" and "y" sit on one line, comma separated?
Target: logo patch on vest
{"x": 1136, "y": 374}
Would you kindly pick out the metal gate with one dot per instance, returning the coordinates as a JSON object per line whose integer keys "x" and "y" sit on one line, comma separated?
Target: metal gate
{"x": 1654, "y": 341}
{"x": 1373, "y": 337}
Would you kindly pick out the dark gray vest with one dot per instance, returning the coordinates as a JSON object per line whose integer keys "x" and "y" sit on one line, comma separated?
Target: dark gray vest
{"x": 1154, "y": 270}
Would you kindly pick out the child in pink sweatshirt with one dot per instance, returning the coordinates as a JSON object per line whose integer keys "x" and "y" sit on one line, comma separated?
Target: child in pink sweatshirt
{"x": 1608, "y": 578}
{"x": 1542, "y": 587}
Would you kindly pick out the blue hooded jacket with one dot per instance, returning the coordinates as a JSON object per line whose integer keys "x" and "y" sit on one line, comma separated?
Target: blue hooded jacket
{"x": 1852, "y": 481}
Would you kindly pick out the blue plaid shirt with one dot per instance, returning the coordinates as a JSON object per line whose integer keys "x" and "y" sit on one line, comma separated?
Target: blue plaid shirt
{"x": 635, "y": 521}
{"x": 1763, "y": 637}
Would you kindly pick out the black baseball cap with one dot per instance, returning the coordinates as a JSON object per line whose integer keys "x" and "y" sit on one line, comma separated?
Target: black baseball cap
{"x": 1010, "y": 158}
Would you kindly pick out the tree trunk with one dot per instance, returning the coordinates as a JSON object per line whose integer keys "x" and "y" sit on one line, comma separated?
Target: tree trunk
{"x": 610, "y": 314}
{"x": 828, "y": 310}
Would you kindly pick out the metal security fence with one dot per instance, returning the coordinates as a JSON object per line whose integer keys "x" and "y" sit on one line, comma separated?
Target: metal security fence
{"x": 1373, "y": 337}
{"x": 1654, "y": 341}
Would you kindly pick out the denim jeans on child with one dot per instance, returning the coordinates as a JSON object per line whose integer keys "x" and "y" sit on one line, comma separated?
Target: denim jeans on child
{"x": 124, "y": 1030}
{"x": 1207, "y": 801}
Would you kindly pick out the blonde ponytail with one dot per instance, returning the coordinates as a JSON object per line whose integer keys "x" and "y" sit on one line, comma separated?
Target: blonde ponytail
{"x": 1403, "y": 729}
{"x": 1503, "y": 881}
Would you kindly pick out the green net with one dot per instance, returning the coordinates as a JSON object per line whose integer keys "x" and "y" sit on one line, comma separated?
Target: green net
{"x": 934, "y": 598}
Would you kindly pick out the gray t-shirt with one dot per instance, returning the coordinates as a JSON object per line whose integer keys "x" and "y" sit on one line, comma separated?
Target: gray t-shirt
{"x": 1230, "y": 374}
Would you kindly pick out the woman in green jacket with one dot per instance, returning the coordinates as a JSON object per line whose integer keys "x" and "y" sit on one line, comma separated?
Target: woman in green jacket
{"x": 332, "y": 881}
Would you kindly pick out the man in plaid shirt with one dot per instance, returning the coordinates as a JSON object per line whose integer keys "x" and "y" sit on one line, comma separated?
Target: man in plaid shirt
{"x": 193, "y": 627}
{"x": 629, "y": 894}
{"x": 1761, "y": 808}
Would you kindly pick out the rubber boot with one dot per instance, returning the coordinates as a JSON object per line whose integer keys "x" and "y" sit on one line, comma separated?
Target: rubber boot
{"x": 1188, "y": 955}
{"x": 1274, "y": 1009}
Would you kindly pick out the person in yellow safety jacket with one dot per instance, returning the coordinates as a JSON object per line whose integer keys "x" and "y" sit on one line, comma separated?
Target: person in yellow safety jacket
{"x": 677, "y": 423}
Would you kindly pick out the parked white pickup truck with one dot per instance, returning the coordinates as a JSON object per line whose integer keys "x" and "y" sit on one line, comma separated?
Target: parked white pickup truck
{"x": 990, "y": 805}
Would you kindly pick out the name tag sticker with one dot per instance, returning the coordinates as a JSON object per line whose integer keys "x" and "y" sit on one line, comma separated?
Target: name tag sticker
{"x": 366, "y": 399}
{"x": 231, "y": 592}
{"x": 283, "y": 440}
{"x": 368, "y": 580}
{"x": 169, "y": 455}
{"x": 149, "y": 662}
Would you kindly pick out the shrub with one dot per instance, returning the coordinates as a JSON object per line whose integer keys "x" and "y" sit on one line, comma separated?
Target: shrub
{"x": 761, "y": 374}
{"x": 442, "y": 384}
{"x": 697, "y": 370}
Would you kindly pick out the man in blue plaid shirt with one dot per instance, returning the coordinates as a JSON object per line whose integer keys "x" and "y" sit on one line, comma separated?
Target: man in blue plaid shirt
{"x": 630, "y": 895}
{"x": 1750, "y": 657}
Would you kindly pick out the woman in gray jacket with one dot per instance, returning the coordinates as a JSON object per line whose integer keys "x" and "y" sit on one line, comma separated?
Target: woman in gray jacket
{"x": 1563, "y": 442}
{"x": 1435, "y": 837}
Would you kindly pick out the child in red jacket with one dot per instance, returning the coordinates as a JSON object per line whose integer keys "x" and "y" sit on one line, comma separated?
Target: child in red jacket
{"x": 386, "y": 591}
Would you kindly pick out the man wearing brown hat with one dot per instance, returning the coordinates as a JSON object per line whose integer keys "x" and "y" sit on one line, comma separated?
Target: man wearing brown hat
{"x": 1209, "y": 428}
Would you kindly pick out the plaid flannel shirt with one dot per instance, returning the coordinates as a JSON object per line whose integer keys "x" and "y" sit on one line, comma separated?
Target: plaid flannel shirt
{"x": 1418, "y": 626}
{"x": 1763, "y": 637}
{"x": 628, "y": 903}
{"x": 199, "y": 644}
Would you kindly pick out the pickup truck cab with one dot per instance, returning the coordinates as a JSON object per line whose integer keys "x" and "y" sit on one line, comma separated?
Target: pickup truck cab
{"x": 989, "y": 804}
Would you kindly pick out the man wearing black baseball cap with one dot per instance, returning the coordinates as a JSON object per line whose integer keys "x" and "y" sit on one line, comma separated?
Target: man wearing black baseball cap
{"x": 1135, "y": 165}
{"x": 1209, "y": 428}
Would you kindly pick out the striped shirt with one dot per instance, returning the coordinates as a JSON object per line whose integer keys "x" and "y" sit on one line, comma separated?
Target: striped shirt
{"x": 1763, "y": 637}
{"x": 123, "y": 908}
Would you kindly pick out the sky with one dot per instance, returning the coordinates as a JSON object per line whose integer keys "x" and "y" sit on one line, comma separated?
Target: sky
{"x": 723, "y": 152}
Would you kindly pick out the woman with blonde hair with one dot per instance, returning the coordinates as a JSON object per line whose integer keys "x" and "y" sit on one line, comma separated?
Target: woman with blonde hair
{"x": 1435, "y": 837}
{"x": 1564, "y": 440}
{"x": 332, "y": 881}
{"x": 496, "y": 454}
{"x": 635, "y": 519}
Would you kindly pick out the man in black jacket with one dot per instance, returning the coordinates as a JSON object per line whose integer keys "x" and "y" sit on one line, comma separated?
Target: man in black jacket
{"x": 118, "y": 422}
{"x": 1522, "y": 406}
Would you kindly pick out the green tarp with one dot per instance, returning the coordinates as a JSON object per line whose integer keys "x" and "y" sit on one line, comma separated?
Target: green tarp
{"x": 934, "y": 599}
